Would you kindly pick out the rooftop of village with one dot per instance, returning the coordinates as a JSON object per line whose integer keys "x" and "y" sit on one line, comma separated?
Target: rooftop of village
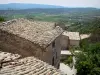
{"x": 72, "y": 35}
{"x": 13, "y": 64}
{"x": 84, "y": 36}
{"x": 42, "y": 33}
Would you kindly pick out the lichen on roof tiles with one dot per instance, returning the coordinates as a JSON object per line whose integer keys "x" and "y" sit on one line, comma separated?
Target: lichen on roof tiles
{"x": 42, "y": 33}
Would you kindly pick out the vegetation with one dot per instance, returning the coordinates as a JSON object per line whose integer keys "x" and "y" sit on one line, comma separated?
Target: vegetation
{"x": 71, "y": 19}
{"x": 2, "y": 19}
{"x": 88, "y": 62}
{"x": 67, "y": 60}
{"x": 87, "y": 26}
{"x": 67, "y": 15}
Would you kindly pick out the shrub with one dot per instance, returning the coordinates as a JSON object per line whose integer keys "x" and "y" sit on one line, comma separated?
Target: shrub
{"x": 2, "y": 19}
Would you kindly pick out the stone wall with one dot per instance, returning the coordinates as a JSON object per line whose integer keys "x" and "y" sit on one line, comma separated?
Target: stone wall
{"x": 64, "y": 42}
{"x": 75, "y": 43}
{"x": 58, "y": 50}
{"x": 53, "y": 53}
{"x": 14, "y": 44}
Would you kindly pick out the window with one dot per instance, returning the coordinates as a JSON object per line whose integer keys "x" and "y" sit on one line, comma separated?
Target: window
{"x": 56, "y": 55}
{"x": 53, "y": 44}
{"x": 58, "y": 66}
{"x": 53, "y": 61}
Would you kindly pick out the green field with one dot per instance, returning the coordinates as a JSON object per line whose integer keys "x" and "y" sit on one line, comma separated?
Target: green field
{"x": 76, "y": 19}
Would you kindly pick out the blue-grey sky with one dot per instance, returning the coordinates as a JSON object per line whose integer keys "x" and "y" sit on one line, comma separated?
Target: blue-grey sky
{"x": 67, "y": 3}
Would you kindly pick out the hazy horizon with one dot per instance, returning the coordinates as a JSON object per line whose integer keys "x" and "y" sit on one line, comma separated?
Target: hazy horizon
{"x": 65, "y": 3}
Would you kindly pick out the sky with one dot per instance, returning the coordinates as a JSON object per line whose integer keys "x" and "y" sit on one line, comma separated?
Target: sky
{"x": 67, "y": 3}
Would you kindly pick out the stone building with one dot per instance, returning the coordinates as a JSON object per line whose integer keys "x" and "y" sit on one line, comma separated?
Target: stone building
{"x": 13, "y": 64}
{"x": 64, "y": 42}
{"x": 70, "y": 39}
{"x": 27, "y": 38}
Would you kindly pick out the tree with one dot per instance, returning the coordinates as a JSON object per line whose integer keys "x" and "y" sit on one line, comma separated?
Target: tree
{"x": 2, "y": 19}
{"x": 88, "y": 62}
{"x": 62, "y": 23}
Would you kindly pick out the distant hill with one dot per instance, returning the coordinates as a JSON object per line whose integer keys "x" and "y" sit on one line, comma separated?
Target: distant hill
{"x": 26, "y": 6}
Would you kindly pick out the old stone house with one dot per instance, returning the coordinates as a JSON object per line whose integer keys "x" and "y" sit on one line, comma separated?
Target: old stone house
{"x": 70, "y": 39}
{"x": 28, "y": 38}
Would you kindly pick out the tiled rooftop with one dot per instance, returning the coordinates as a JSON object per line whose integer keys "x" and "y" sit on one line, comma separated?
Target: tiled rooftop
{"x": 72, "y": 35}
{"x": 25, "y": 66}
{"x": 84, "y": 36}
{"x": 5, "y": 56}
{"x": 42, "y": 33}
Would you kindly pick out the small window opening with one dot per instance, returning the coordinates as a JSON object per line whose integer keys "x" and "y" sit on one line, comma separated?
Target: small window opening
{"x": 53, "y": 61}
{"x": 53, "y": 44}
